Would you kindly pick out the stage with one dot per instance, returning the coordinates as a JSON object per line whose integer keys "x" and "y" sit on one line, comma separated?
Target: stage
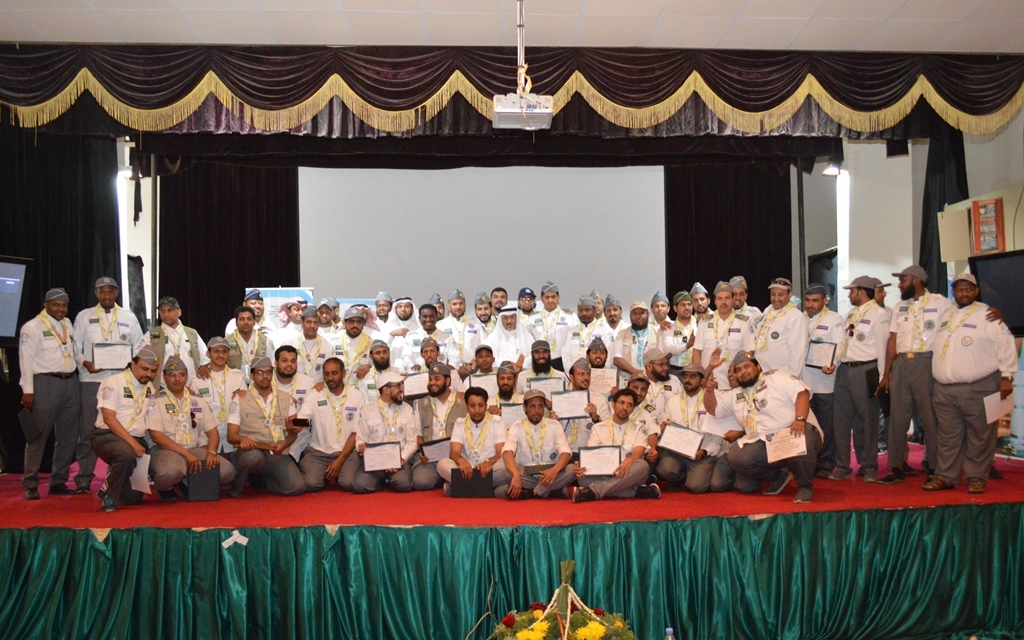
{"x": 860, "y": 561}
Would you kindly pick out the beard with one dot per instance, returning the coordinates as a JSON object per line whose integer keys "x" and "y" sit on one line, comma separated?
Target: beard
{"x": 907, "y": 294}
{"x": 542, "y": 368}
{"x": 748, "y": 383}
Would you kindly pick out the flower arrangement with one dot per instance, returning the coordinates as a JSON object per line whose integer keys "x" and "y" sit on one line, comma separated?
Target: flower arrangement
{"x": 565, "y": 617}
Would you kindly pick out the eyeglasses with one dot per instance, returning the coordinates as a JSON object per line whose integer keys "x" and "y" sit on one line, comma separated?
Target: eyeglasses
{"x": 262, "y": 372}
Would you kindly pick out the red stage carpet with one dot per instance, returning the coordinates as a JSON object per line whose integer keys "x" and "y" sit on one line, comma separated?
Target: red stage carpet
{"x": 332, "y": 506}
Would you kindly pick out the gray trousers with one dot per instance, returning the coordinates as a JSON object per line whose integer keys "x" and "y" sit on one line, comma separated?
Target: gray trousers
{"x": 280, "y": 473}
{"x": 563, "y": 479}
{"x": 314, "y": 465}
{"x": 369, "y": 481}
{"x": 424, "y": 476}
{"x": 696, "y": 474}
{"x": 911, "y": 389}
{"x": 56, "y": 408}
{"x": 964, "y": 437}
{"x": 499, "y": 474}
{"x": 855, "y": 412}
{"x": 84, "y": 454}
{"x": 612, "y": 487}
{"x": 168, "y": 468}
{"x": 823, "y": 408}
{"x": 751, "y": 461}
{"x": 121, "y": 461}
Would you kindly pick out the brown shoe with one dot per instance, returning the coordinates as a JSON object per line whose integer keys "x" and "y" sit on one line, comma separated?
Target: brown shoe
{"x": 937, "y": 484}
{"x": 994, "y": 474}
{"x": 975, "y": 486}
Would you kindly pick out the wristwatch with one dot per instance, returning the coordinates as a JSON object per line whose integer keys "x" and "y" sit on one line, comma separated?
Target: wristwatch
{"x": 804, "y": 419}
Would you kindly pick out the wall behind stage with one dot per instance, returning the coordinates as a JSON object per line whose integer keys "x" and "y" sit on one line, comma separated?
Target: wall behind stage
{"x": 422, "y": 232}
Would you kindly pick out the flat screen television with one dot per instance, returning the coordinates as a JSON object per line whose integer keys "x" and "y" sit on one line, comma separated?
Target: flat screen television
{"x": 1001, "y": 280}
{"x": 14, "y": 280}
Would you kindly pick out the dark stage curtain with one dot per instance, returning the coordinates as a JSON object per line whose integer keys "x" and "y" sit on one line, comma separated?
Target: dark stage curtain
{"x": 723, "y": 220}
{"x": 138, "y": 79}
{"x": 945, "y": 183}
{"x": 58, "y": 206}
{"x": 838, "y": 574}
{"x": 223, "y": 228}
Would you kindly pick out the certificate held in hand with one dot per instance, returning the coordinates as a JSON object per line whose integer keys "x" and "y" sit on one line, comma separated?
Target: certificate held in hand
{"x": 488, "y": 383}
{"x": 679, "y": 439}
{"x": 783, "y": 444}
{"x": 600, "y": 461}
{"x": 437, "y": 450}
{"x": 821, "y": 354}
{"x": 416, "y": 386}
{"x": 512, "y": 412}
{"x": 547, "y": 385}
{"x": 382, "y": 456}
{"x": 111, "y": 356}
{"x": 570, "y": 404}
{"x": 602, "y": 381}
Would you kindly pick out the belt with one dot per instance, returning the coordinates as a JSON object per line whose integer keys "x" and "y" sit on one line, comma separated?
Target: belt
{"x": 910, "y": 355}
{"x": 62, "y": 376}
{"x": 861, "y": 363}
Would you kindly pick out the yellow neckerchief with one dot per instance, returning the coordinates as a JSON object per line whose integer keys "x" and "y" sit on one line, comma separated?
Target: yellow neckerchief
{"x": 625, "y": 431}
{"x": 242, "y": 348}
{"x": 489, "y": 325}
{"x": 476, "y": 447}
{"x": 685, "y": 329}
{"x": 458, "y": 333}
{"x": 535, "y": 448}
{"x": 916, "y": 310}
{"x": 750, "y": 420}
{"x": 719, "y": 337}
{"x": 339, "y": 409}
{"x": 687, "y": 416}
{"x": 108, "y": 330}
{"x": 140, "y": 403}
{"x": 183, "y": 338}
{"x": 390, "y": 424}
{"x": 183, "y": 408}
{"x": 362, "y": 348}
{"x": 275, "y": 431}
{"x": 549, "y": 326}
{"x": 853, "y": 318}
{"x": 950, "y": 329}
{"x": 448, "y": 412}
{"x": 307, "y": 355}
{"x": 816, "y": 321}
{"x": 587, "y": 332}
{"x": 767, "y": 319}
{"x": 63, "y": 337}
{"x": 220, "y": 393}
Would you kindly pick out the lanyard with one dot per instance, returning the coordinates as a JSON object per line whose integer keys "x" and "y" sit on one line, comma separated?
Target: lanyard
{"x": 183, "y": 410}
{"x": 390, "y": 424}
{"x": 815, "y": 322}
{"x": 220, "y": 390}
{"x": 968, "y": 310}
{"x": 140, "y": 403}
{"x": 361, "y": 349}
{"x": 268, "y": 412}
{"x": 107, "y": 331}
{"x": 308, "y": 355}
{"x": 181, "y": 338}
{"x": 535, "y": 447}
{"x": 688, "y": 416}
{"x": 338, "y": 409}
{"x": 625, "y": 432}
{"x": 852, "y": 320}
{"x": 433, "y": 409}
{"x": 244, "y": 346}
{"x": 63, "y": 337}
{"x": 721, "y": 337}
{"x": 476, "y": 447}
{"x": 750, "y": 421}
{"x": 917, "y": 330}
{"x": 459, "y": 332}
{"x": 769, "y": 318}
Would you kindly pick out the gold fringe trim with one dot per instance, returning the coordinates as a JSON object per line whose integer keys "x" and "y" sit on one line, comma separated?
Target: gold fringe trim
{"x": 753, "y": 122}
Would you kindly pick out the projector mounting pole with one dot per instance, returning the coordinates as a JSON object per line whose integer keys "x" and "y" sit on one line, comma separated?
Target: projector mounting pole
{"x": 522, "y": 80}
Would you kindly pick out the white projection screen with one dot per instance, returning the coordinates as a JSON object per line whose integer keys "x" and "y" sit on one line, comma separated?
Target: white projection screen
{"x": 416, "y": 232}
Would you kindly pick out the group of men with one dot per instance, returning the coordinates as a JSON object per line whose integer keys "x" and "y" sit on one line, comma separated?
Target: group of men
{"x": 761, "y": 397}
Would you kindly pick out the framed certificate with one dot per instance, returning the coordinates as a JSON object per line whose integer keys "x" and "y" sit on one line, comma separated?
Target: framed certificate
{"x": 437, "y": 450}
{"x": 512, "y": 412}
{"x": 416, "y": 385}
{"x": 783, "y": 444}
{"x": 547, "y": 385}
{"x": 570, "y": 404}
{"x": 488, "y": 383}
{"x": 679, "y": 439}
{"x": 602, "y": 381}
{"x": 111, "y": 356}
{"x": 600, "y": 461}
{"x": 382, "y": 456}
{"x": 821, "y": 354}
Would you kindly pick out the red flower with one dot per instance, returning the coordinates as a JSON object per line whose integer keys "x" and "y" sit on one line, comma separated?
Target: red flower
{"x": 536, "y": 606}
{"x": 573, "y": 607}
{"x": 598, "y": 611}
{"x": 509, "y": 621}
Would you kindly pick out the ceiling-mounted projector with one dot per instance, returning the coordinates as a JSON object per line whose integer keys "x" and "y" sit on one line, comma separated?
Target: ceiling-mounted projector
{"x": 522, "y": 109}
{"x": 529, "y": 112}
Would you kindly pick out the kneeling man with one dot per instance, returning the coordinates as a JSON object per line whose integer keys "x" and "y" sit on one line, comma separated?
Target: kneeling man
{"x": 387, "y": 420}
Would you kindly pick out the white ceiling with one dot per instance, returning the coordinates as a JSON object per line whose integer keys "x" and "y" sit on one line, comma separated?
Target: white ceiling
{"x": 861, "y": 25}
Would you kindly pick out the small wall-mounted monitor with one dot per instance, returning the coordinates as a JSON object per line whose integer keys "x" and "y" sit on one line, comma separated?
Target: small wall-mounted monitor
{"x": 1001, "y": 280}
{"x": 14, "y": 275}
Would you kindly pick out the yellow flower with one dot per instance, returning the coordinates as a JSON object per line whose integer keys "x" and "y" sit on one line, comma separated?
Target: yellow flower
{"x": 539, "y": 630}
{"x": 618, "y": 623}
{"x": 594, "y": 630}
{"x": 537, "y": 614}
